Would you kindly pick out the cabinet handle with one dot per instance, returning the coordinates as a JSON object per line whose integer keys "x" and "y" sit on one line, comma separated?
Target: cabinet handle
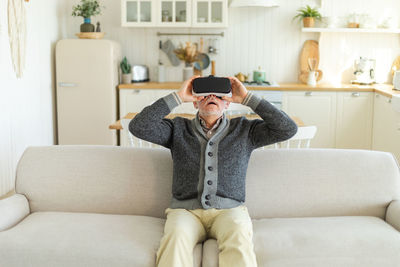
{"x": 67, "y": 84}
{"x": 389, "y": 100}
{"x": 308, "y": 94}
{"x": 355, "y": 94}
{"x": 377, "y": 96}
{"x": 136, "y": 91}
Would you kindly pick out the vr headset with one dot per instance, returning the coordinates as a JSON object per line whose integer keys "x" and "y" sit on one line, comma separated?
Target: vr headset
{"x": 211, "y": 85}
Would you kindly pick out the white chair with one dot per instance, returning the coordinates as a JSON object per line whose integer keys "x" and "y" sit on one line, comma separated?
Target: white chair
{"x": 133, "y": 141}
{"x": 301, "y": 139}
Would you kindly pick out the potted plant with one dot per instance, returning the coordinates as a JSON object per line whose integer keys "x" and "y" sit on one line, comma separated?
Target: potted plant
{"x": 87, "y": 9}
{"x": 308, "y": 15}
{"x": 126, "y": 71}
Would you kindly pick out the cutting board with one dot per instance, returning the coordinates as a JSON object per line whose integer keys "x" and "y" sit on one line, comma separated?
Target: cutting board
{"x": 310, "y": 50}
{"x": 395, "y": 65}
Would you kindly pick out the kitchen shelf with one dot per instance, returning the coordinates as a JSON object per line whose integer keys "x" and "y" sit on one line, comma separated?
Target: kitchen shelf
{"x": 362, "y": 30}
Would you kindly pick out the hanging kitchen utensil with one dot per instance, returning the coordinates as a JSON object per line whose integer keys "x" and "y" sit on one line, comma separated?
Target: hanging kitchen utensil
{"x": 203, "y": 59}
{"x": 213, "y": 67}
{"x": 169, "y": 48}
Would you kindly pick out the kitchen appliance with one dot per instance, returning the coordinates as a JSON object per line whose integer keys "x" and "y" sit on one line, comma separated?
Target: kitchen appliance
{"x": 364, "y": 71}
{"x": 87, "y": 73}
{"x": 140, "y": 73}
{"x": 259, "y": 75}
{"x": 396, "y": 80}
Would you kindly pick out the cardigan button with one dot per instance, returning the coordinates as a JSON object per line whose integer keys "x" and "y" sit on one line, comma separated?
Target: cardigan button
{"x": 210, "y": 168}
{"x": 211, "y": 143}
{"x": 210, "y": 154}
{"x": 208, "y": 203}
{"x": 209, "y": 182}
{"x": 208, "y": 197}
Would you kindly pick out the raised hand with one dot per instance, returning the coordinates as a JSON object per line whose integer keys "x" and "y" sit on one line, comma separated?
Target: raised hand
{"x": 185, "y": 93}
{"x": 239, "y": 91}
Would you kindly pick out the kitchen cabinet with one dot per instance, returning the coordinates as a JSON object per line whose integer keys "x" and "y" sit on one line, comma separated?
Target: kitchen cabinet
{"x": 386, "y": 126}
{"x": 314, "y": 108}
{"x": 175, "y": 13}
{"x": 210, "y": 13}
{"x": 354, "y": 120}
{"x": 134, "y": 100}
{"x": 139, "y": 13}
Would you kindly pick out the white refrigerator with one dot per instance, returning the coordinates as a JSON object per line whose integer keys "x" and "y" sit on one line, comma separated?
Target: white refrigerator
{"x": 87, "y": 75}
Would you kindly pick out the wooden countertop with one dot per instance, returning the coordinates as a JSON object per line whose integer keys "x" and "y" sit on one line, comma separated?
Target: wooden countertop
{"x": 117, "y": 125}
{"x": 384, "y": 89}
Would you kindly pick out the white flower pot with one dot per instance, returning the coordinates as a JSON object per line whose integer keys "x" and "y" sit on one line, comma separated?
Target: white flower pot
{"x": 187, "y": 73}
{"x": 127, "y": 78}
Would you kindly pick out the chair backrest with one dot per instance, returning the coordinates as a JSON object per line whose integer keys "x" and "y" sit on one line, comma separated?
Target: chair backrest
{"x": 133, "y": 141}
{"x": 301, "y": 139}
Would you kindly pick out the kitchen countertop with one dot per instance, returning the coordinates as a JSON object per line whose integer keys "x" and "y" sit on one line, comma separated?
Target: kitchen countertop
{"x": 384, "y": 89}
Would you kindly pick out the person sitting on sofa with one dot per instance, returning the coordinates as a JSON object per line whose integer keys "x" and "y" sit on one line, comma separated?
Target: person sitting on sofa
{"x": 210, "y": 156}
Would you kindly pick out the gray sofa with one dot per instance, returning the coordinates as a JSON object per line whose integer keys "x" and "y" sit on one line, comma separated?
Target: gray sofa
{"x": 104, "y": 206}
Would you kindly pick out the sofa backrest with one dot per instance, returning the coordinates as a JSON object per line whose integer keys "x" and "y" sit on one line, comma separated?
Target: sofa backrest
{"x": 280, "y": 182}
{"x": 321, "y": 182}
{"x": 98, "y": 179}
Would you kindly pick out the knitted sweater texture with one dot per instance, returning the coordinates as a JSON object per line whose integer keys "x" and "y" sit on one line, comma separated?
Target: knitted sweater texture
{"x": 211, "y": 173}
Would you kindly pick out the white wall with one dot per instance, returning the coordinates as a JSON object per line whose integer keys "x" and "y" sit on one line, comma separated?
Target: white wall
{"x": 264, "y": 37}
{"x": 27, "y": 105}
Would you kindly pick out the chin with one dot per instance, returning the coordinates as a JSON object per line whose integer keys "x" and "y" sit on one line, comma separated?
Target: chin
{"x": 211, "y": 113}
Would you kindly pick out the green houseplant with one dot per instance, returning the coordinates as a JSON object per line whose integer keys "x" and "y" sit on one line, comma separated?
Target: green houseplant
{"x": 87, "y": 9}
{"x": 126, "y": 71}
{"x": 308, "y": 15}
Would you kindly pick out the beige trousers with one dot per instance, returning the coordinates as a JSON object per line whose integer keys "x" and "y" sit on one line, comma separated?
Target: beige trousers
{"x": 232, "y": 228}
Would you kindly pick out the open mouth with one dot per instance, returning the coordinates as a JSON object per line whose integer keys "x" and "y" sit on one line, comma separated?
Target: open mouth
{"x": 212, "y": 103}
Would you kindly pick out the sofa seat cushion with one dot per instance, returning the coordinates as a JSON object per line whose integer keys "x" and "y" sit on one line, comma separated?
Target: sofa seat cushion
{"x": 83, "y": 239}
{"x": 323, "y": 241}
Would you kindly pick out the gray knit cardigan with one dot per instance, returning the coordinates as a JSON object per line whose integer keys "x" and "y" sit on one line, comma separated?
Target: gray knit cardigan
{"x": 211, "y": 173}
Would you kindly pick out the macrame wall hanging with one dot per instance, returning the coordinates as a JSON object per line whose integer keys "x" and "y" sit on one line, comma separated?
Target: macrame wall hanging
{"x": 17, "y": 34}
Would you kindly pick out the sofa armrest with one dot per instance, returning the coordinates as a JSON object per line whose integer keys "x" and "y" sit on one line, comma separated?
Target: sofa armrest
{"x": 13, "y": 209}
{"x": 393, "y": 214}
